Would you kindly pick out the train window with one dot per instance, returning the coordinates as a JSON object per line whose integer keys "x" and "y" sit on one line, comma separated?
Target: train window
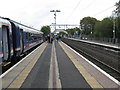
{"x": 27, "y": 36}
{"x": 21, "y": 39}
{"x": 0, "y": 44}
{"x": 32, "y": 36}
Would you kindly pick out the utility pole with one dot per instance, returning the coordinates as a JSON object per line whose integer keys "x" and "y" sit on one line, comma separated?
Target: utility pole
{"x": 55, "y": 16}
{"x": 113, "y": 27}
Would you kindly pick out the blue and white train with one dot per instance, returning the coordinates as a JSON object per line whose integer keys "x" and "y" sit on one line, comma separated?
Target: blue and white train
{"x": 16, "y": 39}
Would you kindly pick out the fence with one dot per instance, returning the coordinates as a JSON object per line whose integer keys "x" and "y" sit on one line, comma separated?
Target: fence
{"x": 101, "y": 40}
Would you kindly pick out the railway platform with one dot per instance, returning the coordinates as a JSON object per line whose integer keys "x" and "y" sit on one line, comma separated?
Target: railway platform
{"x": 57, "y": 65}
{"x": 110, "y": 45}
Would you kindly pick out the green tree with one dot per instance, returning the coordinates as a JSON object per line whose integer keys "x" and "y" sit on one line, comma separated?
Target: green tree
{"x": 87, "y": 25}
{"x": 118, "y": 27}
{"x": 46, "y": 30}
{"x": 118, "y": 20}
{"x": 73, "y": 31}
{"x": 104, "y": 28}
{"x": 97, "y": 29}
{"x": 118, "y": 7}
{"x": 70, "y": 31}
{"x": 61, "y": 33}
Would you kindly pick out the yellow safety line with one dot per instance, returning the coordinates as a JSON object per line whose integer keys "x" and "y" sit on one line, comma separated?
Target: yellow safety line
{"x": 90, "y": 79}
{"x": 23, "y": 75}
{"x": 22, "y": 55}
{"x": 7, "y": 63}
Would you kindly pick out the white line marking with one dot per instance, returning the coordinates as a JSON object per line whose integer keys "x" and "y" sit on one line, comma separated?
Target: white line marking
{"x": 58, "y": 81}
{"x": 51, "y": 71}
{"x": 0, "y": 84}
{"x": 19, "y": 62}
{"x": 102, "y": 71}
{"x": 54, "y": 82}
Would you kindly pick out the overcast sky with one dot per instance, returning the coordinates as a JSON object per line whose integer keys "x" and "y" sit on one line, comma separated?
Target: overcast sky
{"x": 37, "y": 13}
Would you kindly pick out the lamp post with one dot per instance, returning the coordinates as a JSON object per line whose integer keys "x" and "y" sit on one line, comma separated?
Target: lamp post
{"x": 55, "y": 16}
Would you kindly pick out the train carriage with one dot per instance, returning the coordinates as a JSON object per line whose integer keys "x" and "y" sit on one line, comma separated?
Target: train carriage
{"x": 31, "y": 37}
{"x": 6, "y": 41}
{"x": 16, "y": 39}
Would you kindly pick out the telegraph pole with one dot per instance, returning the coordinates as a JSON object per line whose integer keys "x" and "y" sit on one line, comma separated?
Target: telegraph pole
{"x": 55, "y": 16}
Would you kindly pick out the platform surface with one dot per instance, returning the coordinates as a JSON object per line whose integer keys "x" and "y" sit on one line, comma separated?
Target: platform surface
{"x": 56, "y": 66}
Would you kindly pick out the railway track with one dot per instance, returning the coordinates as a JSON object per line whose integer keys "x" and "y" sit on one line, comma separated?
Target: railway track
{"x": 102, "y": 57}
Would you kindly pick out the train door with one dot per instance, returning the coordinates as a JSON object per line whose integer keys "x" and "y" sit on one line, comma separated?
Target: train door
{"x": 5, "y": 35}
{"x": 21, "y": 40}
{"x": 1, "y": 54}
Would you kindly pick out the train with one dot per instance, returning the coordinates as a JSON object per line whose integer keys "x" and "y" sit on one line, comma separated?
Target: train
{"x": 16, "y": 39}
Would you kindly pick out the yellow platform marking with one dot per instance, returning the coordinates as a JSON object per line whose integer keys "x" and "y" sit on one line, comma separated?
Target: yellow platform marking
{"x": 90, "y": 79}
{"x": 22, "y": 55}
{"x": 20, "y": 79}
{"x": 7, "y": 63}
